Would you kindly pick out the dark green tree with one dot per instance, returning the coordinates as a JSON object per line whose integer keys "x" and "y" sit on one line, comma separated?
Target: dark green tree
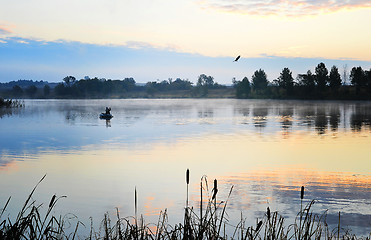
{"x": 46, "y": 90}
{"x": 180, "y": 84}
{"x": 321, "y": 77}
{"x": 203, "y": 84}
{"x": 334, "y": 78}
{"x": 286, "y": 81}
{"x": 368, "y": 77}
{"x": 243, "y": 88}
{"x": 60, "y": 90}
{"x": 31, "y": 90}
{"x": 358, "y": 78}
{"x": 69, "y": 80}
{"x": 259, "y": 81}
{"x": 204, "y": 80}
{"x": 307, "y": 84}
{"x": 17, "y": 91}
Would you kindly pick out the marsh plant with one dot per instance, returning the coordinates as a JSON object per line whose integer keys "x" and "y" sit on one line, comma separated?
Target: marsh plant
{"x": 208, "y": 221}
{"x": 9, "y": 103}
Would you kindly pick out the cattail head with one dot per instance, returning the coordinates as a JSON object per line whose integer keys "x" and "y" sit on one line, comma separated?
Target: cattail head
{"x": 187, "y": 176}
{"x": 52, "y": 201}
{"x": 259, "y": 225}
{"x": 215, "y": 188}
{"x": 268, "y": 213}
{"x": 302, "y": 192}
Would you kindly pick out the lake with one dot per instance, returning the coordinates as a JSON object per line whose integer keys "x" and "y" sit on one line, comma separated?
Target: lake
{"x": 266, "y": 149}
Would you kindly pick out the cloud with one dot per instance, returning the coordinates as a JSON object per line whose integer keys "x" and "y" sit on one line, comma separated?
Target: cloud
{"x": 23, "y": 42}
{"x": 289, "y": 8}
{"x": 4, "y": 30}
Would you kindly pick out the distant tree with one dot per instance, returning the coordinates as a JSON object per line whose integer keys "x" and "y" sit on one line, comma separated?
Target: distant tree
{"x": 368, "y": 77}
{"x": 307, "y": 80}
{"x": 285, "y": 80}
{"x": 69, "y": 80}
{"x": 46, "y": 90}
{"x": 31, "y": 90}
{"x": 358, "y": 78}
{"x": 60, "y": 89}
{"x": 204, "y": 80}
{"x": 17, "y": 91}
{"x": 321, "y": 76}
{"x": 180, "y": 84}
{"x": 128, "y": 84}
{"x": 203, "y": 84}
{"x": 243, "y": 88}
{"x": 334, "y": 78}
{"x": 307, "y": 83}
{"x": 259, "y": 81}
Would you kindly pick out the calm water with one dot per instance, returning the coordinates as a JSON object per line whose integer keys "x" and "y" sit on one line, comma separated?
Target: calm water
{"x": 266, "y": 149}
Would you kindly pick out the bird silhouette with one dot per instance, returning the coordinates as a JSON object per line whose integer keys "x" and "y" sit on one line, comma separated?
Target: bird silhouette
{"x": 237, "y": 58}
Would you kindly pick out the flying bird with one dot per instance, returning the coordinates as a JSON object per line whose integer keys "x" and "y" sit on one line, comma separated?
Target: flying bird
{"x": 237, "y": 58}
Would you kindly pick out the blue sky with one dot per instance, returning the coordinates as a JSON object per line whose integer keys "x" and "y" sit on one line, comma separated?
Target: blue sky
{"x": 161, "y": 39}
{"x": 51, "y": 61}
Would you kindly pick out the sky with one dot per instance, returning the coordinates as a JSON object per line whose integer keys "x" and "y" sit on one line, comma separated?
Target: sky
{"x": 153, "y": 40}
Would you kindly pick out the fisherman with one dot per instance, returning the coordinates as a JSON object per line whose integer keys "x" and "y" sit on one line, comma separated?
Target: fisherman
{"x": 108, "y": 110}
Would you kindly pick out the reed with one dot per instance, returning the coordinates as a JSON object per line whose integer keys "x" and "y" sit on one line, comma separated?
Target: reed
{"x": 211, "y": 223}
{"x": 9, "y": 103}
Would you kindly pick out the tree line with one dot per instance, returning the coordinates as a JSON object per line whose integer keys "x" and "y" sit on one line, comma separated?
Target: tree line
{"x": 322, "y": 84}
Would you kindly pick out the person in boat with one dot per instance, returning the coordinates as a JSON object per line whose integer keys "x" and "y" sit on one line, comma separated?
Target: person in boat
{"x": 108, "y": 110}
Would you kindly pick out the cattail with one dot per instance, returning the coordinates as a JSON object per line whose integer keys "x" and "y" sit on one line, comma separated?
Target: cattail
{"x": 302, "y": 192}
{"x": 268, "y": 213}
{"x": 52, "y": 201}
{"x": 201, "y": 203}
{"x": 136, "y": 205}
{"x": 259, "y": 225}
{"x": 215, "y": 188}
{"x": 187, "y": 176}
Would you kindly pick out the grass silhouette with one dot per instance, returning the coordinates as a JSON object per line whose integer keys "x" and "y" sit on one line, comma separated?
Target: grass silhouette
{"x": 210, "y": 223}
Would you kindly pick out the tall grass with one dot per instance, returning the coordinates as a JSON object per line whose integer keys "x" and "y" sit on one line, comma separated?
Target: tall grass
{"x": 9, "y": 103}
{"x": 210, "y": 223}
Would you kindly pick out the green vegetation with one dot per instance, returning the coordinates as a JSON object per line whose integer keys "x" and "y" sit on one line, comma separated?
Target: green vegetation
{"x": 322, "y": 84}
{"x": 210, "y": 223}
{"x": 9, "y": 103}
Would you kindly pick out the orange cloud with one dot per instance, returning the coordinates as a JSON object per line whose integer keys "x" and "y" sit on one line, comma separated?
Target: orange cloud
{"x": 290, "y": 8}
{"x": 4, "y": 30}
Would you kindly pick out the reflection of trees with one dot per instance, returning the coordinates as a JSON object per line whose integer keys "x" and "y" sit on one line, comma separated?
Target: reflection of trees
{"x": 244, "y": 111}
{"x": 286, "y": 118}
{"x": 9, "y": 111}
{"x": 260, "y": 116}
{"x": 334, "y": 118}
{"x": 206, "y": 113}
{"x": 306, "y": 115}
{"x": 320, "y": 121}
{"x": 70, "y": 117}
{"x": 360, "y": 117}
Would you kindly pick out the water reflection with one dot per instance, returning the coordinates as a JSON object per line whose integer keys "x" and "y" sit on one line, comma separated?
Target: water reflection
{"x": 161, "y": 138}
{"x": 360, "y": 117}
{"x": 280, "y": 189}
{"x": 108, "y": 123}
{"x": 260, "y": 114}
{"x": 286, "y": 119}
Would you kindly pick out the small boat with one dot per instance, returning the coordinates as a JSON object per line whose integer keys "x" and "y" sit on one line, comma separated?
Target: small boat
{"x": 105, "y": 116}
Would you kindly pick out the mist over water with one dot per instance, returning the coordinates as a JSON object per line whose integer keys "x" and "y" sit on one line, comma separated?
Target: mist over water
{"x": 266, "y": 149}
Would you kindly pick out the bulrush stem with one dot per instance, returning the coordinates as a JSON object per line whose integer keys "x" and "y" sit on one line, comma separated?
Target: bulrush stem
{"x": 201, "y": 204}
{"x": 187, "y": 181}
{"x": 136, "y": 207}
